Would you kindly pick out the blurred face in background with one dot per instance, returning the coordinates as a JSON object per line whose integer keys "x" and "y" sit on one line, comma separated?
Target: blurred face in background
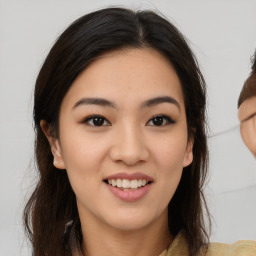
{"x": 247, "y": 117}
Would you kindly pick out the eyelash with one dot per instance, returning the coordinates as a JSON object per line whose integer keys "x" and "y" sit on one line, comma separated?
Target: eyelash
{"x": 166, "y": 119}
{"x": 93, "y": 118}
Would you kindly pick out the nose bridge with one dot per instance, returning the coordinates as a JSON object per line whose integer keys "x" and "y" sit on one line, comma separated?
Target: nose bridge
{"x": 129, "y": 145}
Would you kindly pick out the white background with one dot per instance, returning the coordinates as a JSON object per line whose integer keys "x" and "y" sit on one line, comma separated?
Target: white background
{"x": 223, "y": 36}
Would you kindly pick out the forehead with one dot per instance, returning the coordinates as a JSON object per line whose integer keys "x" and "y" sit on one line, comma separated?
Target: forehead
{"x": 128, "y": 74}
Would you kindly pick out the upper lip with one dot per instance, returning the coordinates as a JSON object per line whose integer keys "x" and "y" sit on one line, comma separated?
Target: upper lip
{"x": 130, "y": 176}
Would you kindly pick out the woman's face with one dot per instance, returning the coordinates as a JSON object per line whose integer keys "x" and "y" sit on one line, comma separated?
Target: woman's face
{"x": 123, "y": 138}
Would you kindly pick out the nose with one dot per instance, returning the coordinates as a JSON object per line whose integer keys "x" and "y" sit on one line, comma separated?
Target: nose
{"x": 129, "y": 146}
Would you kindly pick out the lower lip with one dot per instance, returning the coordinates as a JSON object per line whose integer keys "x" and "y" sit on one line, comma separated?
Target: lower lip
{"x": 129, "y": 195}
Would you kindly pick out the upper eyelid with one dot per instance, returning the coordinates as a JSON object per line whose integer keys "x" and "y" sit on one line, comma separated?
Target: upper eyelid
{"x": 170, "y": 119}
{"x": 93, "y": 116}
{"x": 162, "y": 115}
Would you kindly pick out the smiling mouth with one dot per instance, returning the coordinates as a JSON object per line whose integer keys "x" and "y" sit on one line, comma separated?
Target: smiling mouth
{"x": 127, "y": 185}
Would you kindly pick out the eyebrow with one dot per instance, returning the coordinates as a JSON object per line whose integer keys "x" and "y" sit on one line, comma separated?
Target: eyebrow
{"x": 106, "y": 103}
{"x": 249, "y": 117}
{"x": 159, "y": 100}
{"x": 95, "y": 101}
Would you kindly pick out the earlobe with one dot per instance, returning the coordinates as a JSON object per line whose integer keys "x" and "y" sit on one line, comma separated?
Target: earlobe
{"x": 188, "y": 158}
{"x": 54, "y": 144}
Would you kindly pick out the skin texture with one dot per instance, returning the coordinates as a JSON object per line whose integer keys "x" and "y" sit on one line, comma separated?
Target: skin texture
{"x": 128, "y": 141}
{"x": 247, "y": 117}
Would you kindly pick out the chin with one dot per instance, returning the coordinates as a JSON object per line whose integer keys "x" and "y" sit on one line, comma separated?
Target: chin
{"x": 128, "y": 226}
{"x": 129, "y": 222}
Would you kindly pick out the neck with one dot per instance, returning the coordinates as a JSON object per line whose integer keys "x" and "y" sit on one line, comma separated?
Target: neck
{"x": 100, "y": 239}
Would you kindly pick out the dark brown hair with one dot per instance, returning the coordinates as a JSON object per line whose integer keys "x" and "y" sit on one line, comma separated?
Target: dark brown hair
{"x": 53, "y": 203}
{"x": 249, "y": 87}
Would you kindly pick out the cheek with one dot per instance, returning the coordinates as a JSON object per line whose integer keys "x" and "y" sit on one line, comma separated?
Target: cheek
{"x": 169, "y": 156}
{"x": 83, "y": 165}
{"x": 169, "y": 164}
{"x": 83, "y": 157}
{"x": 169, "y": 152}
{"x": 171, "y": 167}
{"x": 82, "y": 150}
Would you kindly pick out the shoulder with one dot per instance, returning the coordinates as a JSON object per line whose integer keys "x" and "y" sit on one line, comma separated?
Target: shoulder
{"x": 240, "y": 248}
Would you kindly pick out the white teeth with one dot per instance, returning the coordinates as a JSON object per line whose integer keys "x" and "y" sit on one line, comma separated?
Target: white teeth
{"x": 113, "y": 183}
{"x": 134, "y": 183}
{"x": 127, "y": 184}
{"x": 118, "y": 183}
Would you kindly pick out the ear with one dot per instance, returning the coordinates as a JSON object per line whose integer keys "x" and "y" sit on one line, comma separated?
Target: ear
{"x": 188, "y": 158}
{"x": 54, "y": 144}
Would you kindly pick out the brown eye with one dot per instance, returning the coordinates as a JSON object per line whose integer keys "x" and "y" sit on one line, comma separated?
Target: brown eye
{"x": 96, "y": 121}
{"x": 160, "y": 120}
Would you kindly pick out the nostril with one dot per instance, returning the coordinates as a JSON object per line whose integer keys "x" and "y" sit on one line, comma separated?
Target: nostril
{"x": 130, "y": 152}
